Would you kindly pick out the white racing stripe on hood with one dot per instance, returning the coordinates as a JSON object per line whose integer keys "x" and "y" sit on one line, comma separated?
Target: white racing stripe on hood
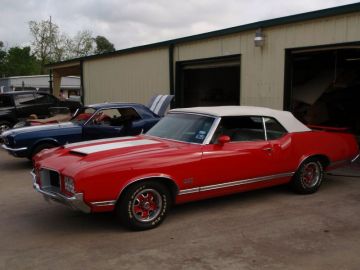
{"x": 111, "y": 146}
{"x": 98, "y": 141}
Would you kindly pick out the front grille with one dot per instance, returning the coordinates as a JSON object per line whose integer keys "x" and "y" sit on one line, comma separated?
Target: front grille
{"x": 50, "y": 180}
{"x": 4, "y": 140}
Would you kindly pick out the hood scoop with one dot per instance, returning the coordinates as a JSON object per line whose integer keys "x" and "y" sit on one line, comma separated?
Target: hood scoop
{"x": 111, "y": 146}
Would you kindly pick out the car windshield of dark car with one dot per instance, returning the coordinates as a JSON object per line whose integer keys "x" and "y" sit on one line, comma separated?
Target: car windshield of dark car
{"x": 82, "y": 115}
{"x": 183, "y": 127}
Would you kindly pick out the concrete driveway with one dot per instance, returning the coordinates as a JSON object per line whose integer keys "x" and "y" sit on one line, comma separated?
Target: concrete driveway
{"x": 265, "y": 229}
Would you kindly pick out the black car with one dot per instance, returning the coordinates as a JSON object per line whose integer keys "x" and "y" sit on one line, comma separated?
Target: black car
{"x": 19, "y": 105}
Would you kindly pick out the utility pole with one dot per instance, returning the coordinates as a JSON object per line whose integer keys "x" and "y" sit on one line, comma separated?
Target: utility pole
{"x": 50, "y": 72}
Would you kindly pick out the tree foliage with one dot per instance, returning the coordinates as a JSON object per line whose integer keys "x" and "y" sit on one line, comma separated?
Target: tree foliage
{"x": 49, "y": 45}
{"x": 2, "y": 60}
{"x": 45, "y": 41}
{"x": 103, "y": 45}
{"x": 18, "y": 62}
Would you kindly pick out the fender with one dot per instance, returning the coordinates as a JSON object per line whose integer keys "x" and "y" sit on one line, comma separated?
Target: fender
{"x": 305, "y": 157}
{"x": 149, "y": 176}
{"x": 47, "y": 140}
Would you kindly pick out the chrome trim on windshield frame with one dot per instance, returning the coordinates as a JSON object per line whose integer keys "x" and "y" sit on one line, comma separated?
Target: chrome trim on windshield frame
{"x": 212, "y": 131}
{"x": 235, "y": 183}
{"x": 264, "y": 127}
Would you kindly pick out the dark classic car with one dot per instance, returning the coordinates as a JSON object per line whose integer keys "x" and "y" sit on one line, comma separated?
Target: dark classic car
{"x": 19, "y": 105}
{"x": 91, "y": 122}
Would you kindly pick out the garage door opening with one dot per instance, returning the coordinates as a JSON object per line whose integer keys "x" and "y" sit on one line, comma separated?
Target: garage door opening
{"x": 323, "y": 87}
{"x": 210, "y": 82}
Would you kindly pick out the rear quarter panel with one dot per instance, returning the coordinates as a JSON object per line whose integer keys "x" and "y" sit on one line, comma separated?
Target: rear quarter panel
{"x": 337, "y": 147}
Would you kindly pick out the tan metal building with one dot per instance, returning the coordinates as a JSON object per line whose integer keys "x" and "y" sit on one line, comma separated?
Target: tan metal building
{"x": 303, "y": 63}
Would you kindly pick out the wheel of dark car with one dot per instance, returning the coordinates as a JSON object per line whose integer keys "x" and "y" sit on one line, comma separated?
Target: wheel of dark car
{"x": 308, "y": 177}
{"x": 4, "y": 125}
{"x": 144, "y": 205}
{"x": 40, "y": 147}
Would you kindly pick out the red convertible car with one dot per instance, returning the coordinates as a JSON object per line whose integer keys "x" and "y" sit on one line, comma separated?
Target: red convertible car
{"x": 191, "y": 154}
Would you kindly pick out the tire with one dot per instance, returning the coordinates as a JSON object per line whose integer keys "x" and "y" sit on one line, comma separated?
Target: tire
{"x": 40, "y": 147}
{"x": 5, "y": 125}
{"x": 308, "y": 177}
{"x": 144, "y": 205}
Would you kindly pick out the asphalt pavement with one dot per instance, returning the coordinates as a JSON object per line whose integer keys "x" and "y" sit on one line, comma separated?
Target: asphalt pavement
{"x": 265, "y": 229}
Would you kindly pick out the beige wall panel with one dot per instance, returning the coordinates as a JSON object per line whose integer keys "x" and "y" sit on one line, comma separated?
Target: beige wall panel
{"x": 199, "y": 49}
{"x": 133, "y": 77}
{"x": 138, "y": 76}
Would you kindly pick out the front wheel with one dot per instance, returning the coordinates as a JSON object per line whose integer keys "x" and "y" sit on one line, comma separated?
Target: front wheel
{"x": 40, "y": 147}
{"x": 308, "y": 177}
{"x": 144, "y": 205}
{"x": 4, "y": 126}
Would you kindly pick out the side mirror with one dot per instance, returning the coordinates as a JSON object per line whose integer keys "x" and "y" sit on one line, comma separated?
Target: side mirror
{"x": 223, "y": 139}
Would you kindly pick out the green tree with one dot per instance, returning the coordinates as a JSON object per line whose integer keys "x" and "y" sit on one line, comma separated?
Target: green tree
{"x": 103, "y": 45}
{"x": 80, "y": 45}
{"x": 2, "y": 60}
{"x": 19, "y": 62}
{"x": 45, "y": 44}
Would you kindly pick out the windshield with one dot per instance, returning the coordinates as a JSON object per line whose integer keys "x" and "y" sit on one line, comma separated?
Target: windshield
{"x": 183, "y": 127}
{"x": 82, "y": 115}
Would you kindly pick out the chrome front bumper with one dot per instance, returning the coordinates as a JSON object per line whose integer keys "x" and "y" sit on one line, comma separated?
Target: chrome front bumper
{"x": 75, "y": 202}
{"x": 13, "y": 149}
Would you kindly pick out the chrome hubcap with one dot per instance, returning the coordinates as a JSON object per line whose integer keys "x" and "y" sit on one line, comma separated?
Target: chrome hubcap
{"x": 146, "y": 205}
{"x": 310, "y": 175}
{"x": 4, "y": 128}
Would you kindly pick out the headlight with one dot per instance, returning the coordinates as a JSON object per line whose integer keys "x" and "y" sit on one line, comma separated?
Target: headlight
{"x": 69, "y": 185}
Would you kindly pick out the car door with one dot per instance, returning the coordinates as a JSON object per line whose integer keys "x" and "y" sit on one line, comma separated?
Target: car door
{"x": 248, "y": 157}
{"x": 105, "y": 123}
{"x": 25, "y": 105}
{"x": 43, "y": 102}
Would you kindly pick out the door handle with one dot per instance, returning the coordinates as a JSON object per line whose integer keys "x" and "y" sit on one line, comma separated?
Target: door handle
{"x": 268, "y": 149}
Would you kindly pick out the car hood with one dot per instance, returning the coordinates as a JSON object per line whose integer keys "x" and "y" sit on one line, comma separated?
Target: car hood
{"x": 17, "y": 131}
{"x": 126, "y": 153}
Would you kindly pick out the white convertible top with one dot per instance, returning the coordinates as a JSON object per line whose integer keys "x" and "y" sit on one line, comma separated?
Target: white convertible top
{"x": 287, "y": 119}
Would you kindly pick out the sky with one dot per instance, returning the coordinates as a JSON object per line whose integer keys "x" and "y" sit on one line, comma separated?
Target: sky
{"x": 129, "y": 23}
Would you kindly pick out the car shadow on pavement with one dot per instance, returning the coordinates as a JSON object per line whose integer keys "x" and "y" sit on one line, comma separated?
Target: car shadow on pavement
{"x": 15, "y": 164}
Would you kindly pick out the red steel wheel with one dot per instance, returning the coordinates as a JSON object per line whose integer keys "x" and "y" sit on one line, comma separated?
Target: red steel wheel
{"x": 143, "y": 205}
{"x": 308, "y": 177}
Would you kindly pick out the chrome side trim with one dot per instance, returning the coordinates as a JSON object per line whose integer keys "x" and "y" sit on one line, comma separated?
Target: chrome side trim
{"x": 235, "y": 183}
{"x": 104, "y": 203}
{"x": 189, "y": 191}
{"x": 355, "y": 158}
{"x": 13, "y": 149}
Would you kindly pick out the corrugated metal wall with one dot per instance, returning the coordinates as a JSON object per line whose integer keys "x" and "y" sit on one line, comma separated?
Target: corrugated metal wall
{"x": 137, "y": 76}
{"x": 132, "y": 77}
{"x": 262, "y": 69}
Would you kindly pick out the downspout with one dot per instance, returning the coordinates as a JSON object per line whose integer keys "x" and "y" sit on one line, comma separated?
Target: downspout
{"x": 82, "y": 90}
{"x": 171, "y": 74}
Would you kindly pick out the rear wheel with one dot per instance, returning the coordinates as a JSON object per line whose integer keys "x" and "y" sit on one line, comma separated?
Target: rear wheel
{"x": 144, "y": 205}
{"x": 308, "y": 177}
